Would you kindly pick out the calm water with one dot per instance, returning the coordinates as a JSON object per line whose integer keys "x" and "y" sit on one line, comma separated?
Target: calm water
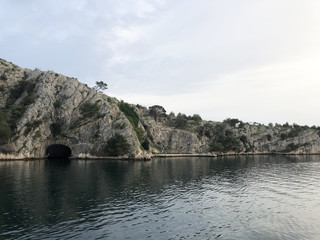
{"x": 261, "y": 197}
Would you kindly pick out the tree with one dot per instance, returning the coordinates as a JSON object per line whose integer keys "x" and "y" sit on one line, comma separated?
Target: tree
{"x": 117, "y": 146}
{"x": 157, "y": 112}
{"x": 100, "y": 86}
{"x": 181, "y": 121}
{"x": 196, "y": 117}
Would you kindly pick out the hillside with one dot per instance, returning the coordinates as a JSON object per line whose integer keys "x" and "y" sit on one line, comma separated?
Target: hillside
{"x": 39, "y": 110}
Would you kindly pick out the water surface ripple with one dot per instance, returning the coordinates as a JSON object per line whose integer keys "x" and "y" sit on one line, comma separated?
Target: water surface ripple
{"x": 253, "y": 197}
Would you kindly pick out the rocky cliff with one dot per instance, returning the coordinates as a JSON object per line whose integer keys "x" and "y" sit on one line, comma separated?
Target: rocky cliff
{"x": 40, "y": 110}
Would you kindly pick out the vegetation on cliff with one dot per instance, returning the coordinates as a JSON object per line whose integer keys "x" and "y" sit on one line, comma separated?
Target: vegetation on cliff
{"x": 134, "y": 119}
{"x": 117, "y": 145}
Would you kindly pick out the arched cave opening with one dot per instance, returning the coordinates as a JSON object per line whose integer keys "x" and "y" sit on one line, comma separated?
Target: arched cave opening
{"x": 58, "y": 151}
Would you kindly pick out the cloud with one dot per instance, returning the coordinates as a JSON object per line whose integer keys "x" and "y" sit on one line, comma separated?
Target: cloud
{"x": 280, "y": 92}
{"x": 256, "y": 60}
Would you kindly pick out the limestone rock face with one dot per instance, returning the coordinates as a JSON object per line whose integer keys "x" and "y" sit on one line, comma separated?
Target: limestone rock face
{"x": 39, "y": 109}
{"x": 172, "y": 140}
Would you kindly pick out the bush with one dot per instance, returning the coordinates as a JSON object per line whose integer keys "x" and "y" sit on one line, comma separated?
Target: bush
{"x": 225, "y": 141}
{"x": 55, "y": 129}
{"x": 89, "y": 109}
{"x": 5, "y": 133}
{"x": 269, "y": 137}
{"x": 14, "y": 111}
{"x": 133, "y": 118}
{"x": 196, "y": 117}
{"x": 232, "y": 121}
{"x": 296, "y": 130}
{"x": 19, "y": 89}
{"x": 3, "y": 77}
{"x": 243, "y": 139}
{"x": 145, "y": 144}
{"x": 57, "y": 104}
{"x": 216, "y": 147}
{"x": 129, "y": 112}
{"x": 291, "y": 147}
{"x": 5, "y": 130}
{"x": 181, "y": 121}
{"x": 117, "y": 146}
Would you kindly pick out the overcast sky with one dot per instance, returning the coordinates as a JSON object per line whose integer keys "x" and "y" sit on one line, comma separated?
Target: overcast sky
{"x": 256, "y": 60}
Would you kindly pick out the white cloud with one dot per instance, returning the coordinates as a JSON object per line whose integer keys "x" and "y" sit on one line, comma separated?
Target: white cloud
{"x": 284, "y": 91}
{"x": 256, "y": 60}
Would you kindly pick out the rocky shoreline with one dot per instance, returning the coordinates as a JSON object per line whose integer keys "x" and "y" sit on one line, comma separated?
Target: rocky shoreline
{"x": 6, "y": 157}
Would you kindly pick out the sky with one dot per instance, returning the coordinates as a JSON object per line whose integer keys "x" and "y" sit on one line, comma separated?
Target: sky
{"x": 255, "y": 60}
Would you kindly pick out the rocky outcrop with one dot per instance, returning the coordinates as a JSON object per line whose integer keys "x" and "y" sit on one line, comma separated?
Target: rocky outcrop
{"x": 56, "y": 114}
{"x": 40, "y": 109}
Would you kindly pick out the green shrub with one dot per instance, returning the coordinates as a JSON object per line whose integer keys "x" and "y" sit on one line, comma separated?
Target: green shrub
{"x": 196, "y": 117}
{"x": 283, "y": 136}
{"x": 55, "y": 129}
{"x": 206, "y": 130}
{"x": 3, "y": 117}
{"x": 57, "y": 104}
{"x": 14, "y": 111}
{"x": 89, "y": 109}
{"x": 1, "y": 89}
{"x": 19, "y": 89}
{"x": 145, "y": 144}
{"x": 181, "y": 121}
{"x": 5, "y": 133}
{"x": 231, "y": 143}
{"x": 117, "y": 146}
{"x": 232, "y": 121}
{"x": 5, "y": 130}
{"x": 3, "y": 77}
{"x": 269, "y": 137}
{"x": 291, "y": 147}
{"x": 133, "y": 118}
{"x": 216, "y": 147}
{"x": 224, "y": 141}
{"x": 129, "y": 112}
{"x": 243, "y": 139}
{"x": 296, "y": 130}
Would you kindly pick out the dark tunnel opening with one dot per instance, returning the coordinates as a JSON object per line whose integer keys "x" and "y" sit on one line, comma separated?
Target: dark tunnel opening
{"x": 58, "y": 151}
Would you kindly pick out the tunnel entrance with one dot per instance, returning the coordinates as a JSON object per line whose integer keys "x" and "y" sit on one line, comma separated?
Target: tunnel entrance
{"x": 58, "y": 151}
